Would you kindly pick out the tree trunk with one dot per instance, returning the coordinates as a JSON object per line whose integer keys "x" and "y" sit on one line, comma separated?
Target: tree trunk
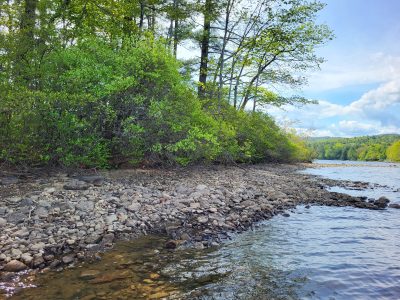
{"x": 205, "y": 44}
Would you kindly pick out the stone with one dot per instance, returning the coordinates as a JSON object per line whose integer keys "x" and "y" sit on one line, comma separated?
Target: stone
{"x": 85, "y": 205}
{"x": 16, "y": 217}
{"x": 16, "y": 252}
{"x": 201, "y": 188}
{"x": 89, "y": 274}
{"x": 9, "y": 180}
{"x": 202, "y": 219}
{"x": 111, "y": 218}
{"x": 42, "y": 212}
{"x": 14, "y": 266}
{"x": 111, "y": 276}
{"x": 76, "y": 186}
{"x": 38, "y": 260}
{"x": 50, "y": 190}
{"x": 382, "y": 202}
{"x": 134, "y": 206}
{"x": 3, "y": 222}
{"x": 171, "y": 244}
{"x": 395, "y": 205}
{"x": 92, "y": 179}
{"x": 26, "y": 258}
{"x": 26, "y": 202}
{"x": 286, "y": 215}
{"x": 67, "y": 259}
{"x": 38, "y": 246}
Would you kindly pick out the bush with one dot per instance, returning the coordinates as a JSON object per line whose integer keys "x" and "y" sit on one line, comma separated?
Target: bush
{"x": 100, "y": 104}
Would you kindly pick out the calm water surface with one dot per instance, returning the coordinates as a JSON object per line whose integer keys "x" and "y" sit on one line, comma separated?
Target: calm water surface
{"x": 316, "y": 253}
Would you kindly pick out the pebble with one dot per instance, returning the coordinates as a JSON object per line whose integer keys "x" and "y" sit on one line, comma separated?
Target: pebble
{"x": 90, "y": 213}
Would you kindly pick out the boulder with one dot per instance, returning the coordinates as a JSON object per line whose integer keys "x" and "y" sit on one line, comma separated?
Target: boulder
{"x": 382, "y": 202}
{"x": 14, "y": 266}
{"x": 395, "y": 205}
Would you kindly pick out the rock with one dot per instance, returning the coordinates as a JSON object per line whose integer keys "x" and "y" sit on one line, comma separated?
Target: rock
{"x": 201, "y": 188}
{"x": 38, "y": 260}
{"x": 50, "y": 190}
{"x": 111, "y": 276}
{"x": 9, "y": 180}
{"x": 171, "y": 244}
{"x": 26, "y": 258}
{"x": 67, "y": 259}
{"x": 96, "y": 180}
{"x": 85, "y": 205}
{"x": 285, "y": 215}
{"x": 26, "y": 202}
{"x": 76, "y": 186}
{"x": 42, "y": 212}
{"x": 16, "y": 253}
{"x": 38, "y": 246}
{"x": 108, "y": 239}
{"x": 134, "y": 206}
{"x": 89, "y": 274}
{"x": 395, "y": 205}
{"x": 16, "y": 217}
{"x": 111, "y": 218}
{"x": 202, "y": 219}
{"x": 382, "y": 202}
{"x": 14, "y": 266}
{"x": 3, "y": 222}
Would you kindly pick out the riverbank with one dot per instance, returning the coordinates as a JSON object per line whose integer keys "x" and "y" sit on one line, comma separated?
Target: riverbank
{"x": 58, "y": 220}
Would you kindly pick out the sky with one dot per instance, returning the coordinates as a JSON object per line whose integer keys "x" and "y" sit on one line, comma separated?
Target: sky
{"x": 358, "y": 87}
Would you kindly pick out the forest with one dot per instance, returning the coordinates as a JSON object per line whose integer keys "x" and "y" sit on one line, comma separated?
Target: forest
{"x": 367, "y": 148}
{"x": 99, "y": 83}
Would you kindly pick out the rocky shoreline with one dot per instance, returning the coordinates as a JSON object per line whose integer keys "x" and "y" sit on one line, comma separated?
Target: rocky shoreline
{"x": 54, "y": 221}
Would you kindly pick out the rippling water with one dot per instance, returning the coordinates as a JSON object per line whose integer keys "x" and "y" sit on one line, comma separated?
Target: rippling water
{"x": 316, "y": 253}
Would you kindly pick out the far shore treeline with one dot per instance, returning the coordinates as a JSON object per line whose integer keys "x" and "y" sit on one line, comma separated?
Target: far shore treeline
{"x": 367, "y": 148}
{"x": 89, "y": 83}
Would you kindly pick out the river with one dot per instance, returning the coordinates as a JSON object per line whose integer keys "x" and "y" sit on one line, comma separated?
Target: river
{"x": 316, "y": 253}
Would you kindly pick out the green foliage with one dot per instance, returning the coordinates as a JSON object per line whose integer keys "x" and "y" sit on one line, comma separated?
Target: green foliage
{"x": 369, "y": 148}
{"x": 93, "y": 84}
{"x": 393, "y": 152}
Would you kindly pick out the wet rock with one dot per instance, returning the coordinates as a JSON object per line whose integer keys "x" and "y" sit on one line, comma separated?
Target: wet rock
{"x": 3, "y": 222}
{"x": 109, "y": 277}
{"x": 382, "y": 202}
{"x": 14, "y": 266}
{"x": 171, "y": 244}
{"x": 89, "y": 274}
{"x": 286, "y": 215}
{"x": 395, "y": 205}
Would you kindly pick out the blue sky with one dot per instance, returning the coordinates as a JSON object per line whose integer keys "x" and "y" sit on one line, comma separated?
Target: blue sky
{"x": 359, "y": 86}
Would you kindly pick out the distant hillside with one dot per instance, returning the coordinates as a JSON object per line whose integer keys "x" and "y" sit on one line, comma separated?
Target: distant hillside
{"x": 370, "y": 148}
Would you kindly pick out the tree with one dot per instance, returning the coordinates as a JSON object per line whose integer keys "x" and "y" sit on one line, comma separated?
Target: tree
{"x": 393, "y": 152}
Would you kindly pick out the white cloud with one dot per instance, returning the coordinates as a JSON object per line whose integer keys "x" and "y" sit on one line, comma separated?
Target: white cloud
{"x": 355, "y": 70}
{"x": 376, "y": 112}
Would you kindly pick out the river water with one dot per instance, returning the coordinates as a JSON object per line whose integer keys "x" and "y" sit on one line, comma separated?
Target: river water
{"x": 316, "y": 253}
